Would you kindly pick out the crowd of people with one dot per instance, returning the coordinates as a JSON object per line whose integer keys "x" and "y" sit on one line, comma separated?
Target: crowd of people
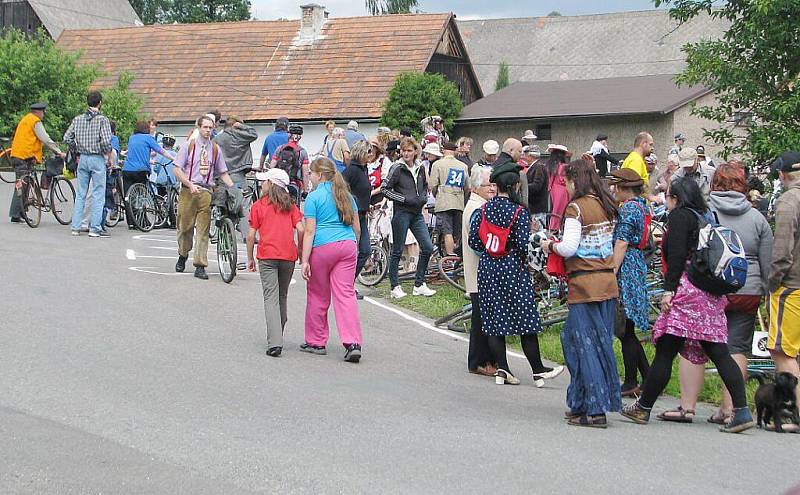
{"x": 315, "y": 209}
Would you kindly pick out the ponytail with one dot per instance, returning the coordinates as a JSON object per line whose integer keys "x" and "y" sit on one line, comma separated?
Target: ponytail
{"x": 341, "y": 191}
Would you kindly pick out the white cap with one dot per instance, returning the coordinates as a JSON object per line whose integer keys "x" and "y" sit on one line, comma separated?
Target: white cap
{"x": 687, "y": 157}
{"x": 433, "y": 149}
{"x": 277, "y": 176}
{"x": 353, "y": 125}
{"x": 491, "y": 147}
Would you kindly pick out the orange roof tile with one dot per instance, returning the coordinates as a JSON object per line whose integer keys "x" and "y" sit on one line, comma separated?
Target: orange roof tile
{"x": 258, "y": 71}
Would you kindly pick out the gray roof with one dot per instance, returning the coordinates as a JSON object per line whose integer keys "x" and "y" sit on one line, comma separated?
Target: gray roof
{"x": 560, "y": 99}
{"x": 583, "y": 47}
{"x": 58, "y": 15}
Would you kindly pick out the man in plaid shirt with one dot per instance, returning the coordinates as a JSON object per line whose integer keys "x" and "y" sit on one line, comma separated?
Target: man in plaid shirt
{"x": 90, "y": 135}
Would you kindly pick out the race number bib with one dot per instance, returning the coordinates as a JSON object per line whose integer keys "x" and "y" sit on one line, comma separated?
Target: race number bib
{"x": 455, "y": 178}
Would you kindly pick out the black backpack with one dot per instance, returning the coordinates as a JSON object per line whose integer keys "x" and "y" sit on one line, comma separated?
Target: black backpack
{"x": 71, "y": 161}
{"x": 289, "y": 161}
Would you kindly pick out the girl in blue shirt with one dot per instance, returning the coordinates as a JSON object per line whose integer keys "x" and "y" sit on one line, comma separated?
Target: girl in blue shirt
{"x": 137, "y": 162}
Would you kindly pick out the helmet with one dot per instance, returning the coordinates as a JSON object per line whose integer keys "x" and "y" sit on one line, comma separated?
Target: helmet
{"x": 296, "y": 129}
{"x": 168, "y": 140}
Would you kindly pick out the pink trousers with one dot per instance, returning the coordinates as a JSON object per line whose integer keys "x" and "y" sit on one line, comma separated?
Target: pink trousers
{"x": 333, "y": 271}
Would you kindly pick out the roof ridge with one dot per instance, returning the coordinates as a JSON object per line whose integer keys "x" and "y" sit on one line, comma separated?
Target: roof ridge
{"x": 564, "y": 18}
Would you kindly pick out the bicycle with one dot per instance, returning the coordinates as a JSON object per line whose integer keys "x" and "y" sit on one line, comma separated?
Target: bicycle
{"x": 7, "y": 173}
{"x": 61, "y": 198}
{"x": 151, "y": 209}
{"x": 117, "y": 213}
{"x": 222, "y": 232}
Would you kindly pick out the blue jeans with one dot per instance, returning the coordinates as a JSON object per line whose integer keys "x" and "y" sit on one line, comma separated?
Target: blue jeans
{"x": 90, "y": 168}
{"x": 402, "y": 221}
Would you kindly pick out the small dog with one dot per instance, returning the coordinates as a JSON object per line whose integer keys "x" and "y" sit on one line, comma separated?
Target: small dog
{"x": 777, "y": 402}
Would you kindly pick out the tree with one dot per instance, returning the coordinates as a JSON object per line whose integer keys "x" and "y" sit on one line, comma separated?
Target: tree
{"x": 152, "y": 11}
{"x": 34, "y": 69}
{"x": 753, "y": 70}
{"x": 122, "y": 106}
{"x": 186, "y": 11}
{"x": 502, "y": 76}
{"x": 383, "y": 7}
{"x": 554, "y": 13}
{"x": 415, "y": 96}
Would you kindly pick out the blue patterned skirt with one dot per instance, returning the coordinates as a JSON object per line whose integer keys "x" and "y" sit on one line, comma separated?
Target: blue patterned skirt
{"x": 587, "y": 340}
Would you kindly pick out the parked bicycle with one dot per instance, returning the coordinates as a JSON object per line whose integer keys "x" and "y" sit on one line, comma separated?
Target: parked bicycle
{"x": 153, "y": 206}
{"x": 61, "y": 195}
{"x": 7, "y": 173}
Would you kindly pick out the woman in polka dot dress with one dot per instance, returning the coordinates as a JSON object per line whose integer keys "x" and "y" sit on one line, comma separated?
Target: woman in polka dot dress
{"x": 504, "y": 286}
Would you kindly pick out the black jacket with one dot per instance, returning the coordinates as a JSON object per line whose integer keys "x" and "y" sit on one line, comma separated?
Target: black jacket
{"x": 356, "y": 177}
{"x": 680, "y": 241}
{"x": 601, "y": 161}
{"x": 400, "y": 187}
{"x": 538, "y": 194}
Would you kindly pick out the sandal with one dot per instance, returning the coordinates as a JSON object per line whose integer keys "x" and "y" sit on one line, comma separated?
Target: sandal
{"x": 719, "y": 419}
{"x": 677, "y": 415}
{"x": 589, "y": 421}
{"x": 570, "y": 414}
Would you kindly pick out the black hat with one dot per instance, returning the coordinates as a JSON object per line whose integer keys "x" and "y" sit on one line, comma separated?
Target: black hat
{"x": 405, "y": 132}
{"x": 602, "y": 137}
{"x": 504, "y": 169}
{"x": 449, "y": 146}
{"x": 787, "y": 162}
{"x": 39, "y": 106}
{"x": 393, "y": 146}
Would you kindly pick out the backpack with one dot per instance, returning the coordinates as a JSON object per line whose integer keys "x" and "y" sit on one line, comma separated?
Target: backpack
{"x": 645, "y": 242}
{"x": 71, "y": 162}
{"x": 718, "y": 265}
{"x": 495, "y": 237}
{"x": 289, "y": 161}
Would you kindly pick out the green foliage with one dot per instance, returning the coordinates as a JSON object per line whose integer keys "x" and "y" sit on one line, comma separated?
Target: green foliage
{"x": 554, "y": 13}
{"x": 754, "y": 71}
{"x": 151, "y": 11}
{"x": 415, "y": 96}
{"x": 187, "y": 11}
{"x": 383, "y": 7}
{"x": 35, "y": 69}
{"x": 502, "y": 76}
{"x": 122, "y": 106}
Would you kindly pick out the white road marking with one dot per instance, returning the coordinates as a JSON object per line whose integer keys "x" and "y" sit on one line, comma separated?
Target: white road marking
{"x": 425, "y": 324}
{"x": 130, "y": 254}
{"x": 143, "y": 269}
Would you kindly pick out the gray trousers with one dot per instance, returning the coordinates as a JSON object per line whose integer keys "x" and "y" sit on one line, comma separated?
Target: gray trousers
{"x": 240, "y": 179}
{"x": 275, "y": 278}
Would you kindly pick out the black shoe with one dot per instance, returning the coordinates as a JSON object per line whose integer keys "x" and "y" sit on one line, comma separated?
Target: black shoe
{"x": 274, "y": 351}
{"x": 359, "y": 296}
{"x": 16, "y": 220}
{"x": 353, "y": 354}
{"x": 200, "y": 272}
{"x": 180, "y": 266}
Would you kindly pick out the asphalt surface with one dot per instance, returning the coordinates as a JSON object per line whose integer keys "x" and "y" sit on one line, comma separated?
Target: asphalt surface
{"x": 119, "y": 376}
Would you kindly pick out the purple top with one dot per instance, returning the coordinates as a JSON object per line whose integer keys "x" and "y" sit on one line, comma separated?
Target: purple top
{"x": 191, "y": 162}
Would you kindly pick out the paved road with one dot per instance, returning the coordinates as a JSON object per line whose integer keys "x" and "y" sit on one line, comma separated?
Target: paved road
{"x": 118, "y": 376}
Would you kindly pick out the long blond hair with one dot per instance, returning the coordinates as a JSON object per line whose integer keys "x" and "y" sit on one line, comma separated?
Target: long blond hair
{"x": 341, "y": 191}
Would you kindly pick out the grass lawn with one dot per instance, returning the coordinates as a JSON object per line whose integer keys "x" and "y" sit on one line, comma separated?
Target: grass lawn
{"x": 448, "y": 300}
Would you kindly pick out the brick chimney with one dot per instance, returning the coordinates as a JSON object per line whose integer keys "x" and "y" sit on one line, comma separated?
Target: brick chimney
{"x": 311, "y": 22}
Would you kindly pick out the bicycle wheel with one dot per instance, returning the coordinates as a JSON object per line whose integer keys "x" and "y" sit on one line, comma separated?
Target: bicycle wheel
{"x": 161, "y": 212}
{"x": 375, "y": 268}
{"x": 32, "y": 201}
{"x": 554, "y": 315}
{"x": 461, "y": 324}
{"x": 226, "y": 250}
{"x": 8, "y": 175}
{"x": 451, "y": 268}
{"x": 62, "y": 199}
{"x": 117, "y": 213}
{"x": 454, "y": 315}
{"x": 142, "y": 207}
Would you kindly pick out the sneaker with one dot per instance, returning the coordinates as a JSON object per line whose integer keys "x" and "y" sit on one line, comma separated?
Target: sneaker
{"x": 99, "y": 233}
{"x": 85, "y": 229}
{"x": 423, "y": 290}
{"x": 503, "y": 377}
{"x": 353, "y": 354}
{"x": 76, "y": 233}
{"x": 313, "y": 349}
{"x": 742, "y": 420}
{"x": 180, "y": 266}
{"x": 274, "y": 351}
{"x": 636, "y": 413}
{"x": 200, "y": 272}
{"x": 549, "y": 375}
{"x": 359, "y": 296}
{"x": 16, "y": 220}
{"x": 398, "y": 293}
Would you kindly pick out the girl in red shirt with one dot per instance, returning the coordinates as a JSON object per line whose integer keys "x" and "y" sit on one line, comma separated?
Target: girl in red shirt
{"x": 275, "y": 218}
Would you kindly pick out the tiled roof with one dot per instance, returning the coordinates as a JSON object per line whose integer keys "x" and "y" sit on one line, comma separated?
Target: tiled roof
{"x": 57, "y": 15}
{"x": 583, "y": 47}
{"x": 598, "y": 97}
{"x": 259, "y": 71}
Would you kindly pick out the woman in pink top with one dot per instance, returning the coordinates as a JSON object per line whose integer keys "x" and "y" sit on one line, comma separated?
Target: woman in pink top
{"x": 557, "y": 184}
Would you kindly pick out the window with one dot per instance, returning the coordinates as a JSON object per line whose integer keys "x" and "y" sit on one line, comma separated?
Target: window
{"x": 543, "y": 132}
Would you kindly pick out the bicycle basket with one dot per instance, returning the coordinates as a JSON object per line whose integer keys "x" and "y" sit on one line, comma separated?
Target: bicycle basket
{"x": 54, "y": 166}
{"x": 229, "y": 199}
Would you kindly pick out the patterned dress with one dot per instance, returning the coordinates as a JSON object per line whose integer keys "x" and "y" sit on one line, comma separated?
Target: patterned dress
{"x": 632, "y": 274}
{"x": 505, "y": 289}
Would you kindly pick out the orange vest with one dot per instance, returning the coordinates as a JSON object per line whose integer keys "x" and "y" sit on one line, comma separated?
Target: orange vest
{"x": 25, "y": 144}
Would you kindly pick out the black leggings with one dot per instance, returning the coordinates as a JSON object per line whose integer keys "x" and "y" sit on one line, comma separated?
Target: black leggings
{"x": 129, "y": 179}
{"x": 530, "y": 347}
{"x": 633, "y": 356}
{"x": 667, "y": 348}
